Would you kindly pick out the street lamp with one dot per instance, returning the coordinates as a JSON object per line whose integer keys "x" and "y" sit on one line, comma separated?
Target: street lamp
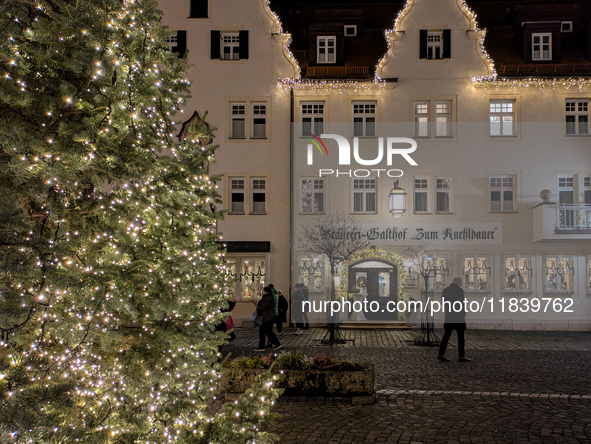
{"x": 397, "y": 201}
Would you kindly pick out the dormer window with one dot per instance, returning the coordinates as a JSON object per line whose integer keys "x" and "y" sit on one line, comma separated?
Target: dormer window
{"x": 350, "y": 30}
{"x": 566, "y": 27}
{"x": 326, "y": 49}
{"x": 435, "y": 44}
{"x": 541, "y": 46}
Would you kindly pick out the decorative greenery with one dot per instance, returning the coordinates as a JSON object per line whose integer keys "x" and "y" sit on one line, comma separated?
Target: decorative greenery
{"x": 294, "y": 361}
{"x": 368, "y": 253}
{"x": 111, "y": 280}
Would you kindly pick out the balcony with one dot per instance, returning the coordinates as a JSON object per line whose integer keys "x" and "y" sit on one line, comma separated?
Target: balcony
{"x": 337, "y": 71}
{"x": 546, "y": 69}
{"x": 562, "y": 222}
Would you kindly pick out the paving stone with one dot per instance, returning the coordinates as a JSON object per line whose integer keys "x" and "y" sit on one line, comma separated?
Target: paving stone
{"x": 521, "y": 387}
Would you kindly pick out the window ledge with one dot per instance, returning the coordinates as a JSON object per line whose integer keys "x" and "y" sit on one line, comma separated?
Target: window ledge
{"x": 504, "y": 212}
{"x": 439, "y": 213}
{"x": 259, "y": 138}
{"x": 236, "y": 138}
{"x": 258, "y": 213}
{"x": 421, "y": 213}
{"x": 236, "y": 213}
{"x": 312, "y": 214}
{"x": 578, "y": 135}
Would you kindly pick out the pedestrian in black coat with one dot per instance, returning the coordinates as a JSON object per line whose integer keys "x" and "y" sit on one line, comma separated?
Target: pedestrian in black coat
{"x": 452, "y": 300}
{"x": 266, "y": 310}
{"x": 282, "y": 312}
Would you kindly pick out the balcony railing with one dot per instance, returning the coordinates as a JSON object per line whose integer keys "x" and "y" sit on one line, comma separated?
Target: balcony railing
{"x": 337, "y": 71}
{"x": 559, "y": 222}
{"x": 546, "y": 68}
{"x": 573, "y": 217}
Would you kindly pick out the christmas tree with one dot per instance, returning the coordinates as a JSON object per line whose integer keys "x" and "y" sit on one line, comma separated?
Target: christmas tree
{"x": 111, "y": 280}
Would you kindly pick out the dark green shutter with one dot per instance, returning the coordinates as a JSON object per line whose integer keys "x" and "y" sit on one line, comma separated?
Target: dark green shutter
{"x": 423, "y": 50}
{"x": 447, "y": 43}
{"x": 181, "y": 46}
{"x": 243, "y": 36}
{"x": 215, "y": 44}
{"x": 199, "y": 8}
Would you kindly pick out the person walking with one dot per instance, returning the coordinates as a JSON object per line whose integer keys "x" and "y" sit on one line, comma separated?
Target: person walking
{"x": 282, "y": 310}
{"x": 452, "y": 300}
{"x": 276, "y": 312}
{"x": 266, "y": 310}
{"x": 297, "y": 302}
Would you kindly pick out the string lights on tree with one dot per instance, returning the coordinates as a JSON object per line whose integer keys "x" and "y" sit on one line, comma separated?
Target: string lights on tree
{"x": 111, "y": 280}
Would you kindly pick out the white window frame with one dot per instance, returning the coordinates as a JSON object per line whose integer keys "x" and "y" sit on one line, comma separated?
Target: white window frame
{"x": 230, "y": 40}
{"x": 315, "y": 112}
{"x": 517, "y": 268}
{"x": 365, "y": 112}
{"x": 567, "y": 28}
{"x": 440, "y": 188}
{"x": 433, "y": 118}
{"x": 318, "y": 188}
{"x": 259, "y": 112}
{"x": 354, "y": 27}
{"x": 326, "y": 39}
{"x": 439, "y": 278}
{"x": 236, "y": 115}
{"x": 236, "y": 183}
{"x": 587, "y": 190}
{"x": 500, "y": 110}
{"x": 551, "y": 285}
{"x": 588, "y": 274}
{"x": 258, "y": 185}
{"x": 423, "y": 189}
{"x": 577, "y": 110}
{"x": 443, "y": 118}
{"x": 172, "y": 40}
{"x": 421, "y": 118}
{"x": 259, "y": 281}
{"x": 541, "y": 43}
{"x": 502, "y": 183}
{"x": 434, "y": 44}
{"x": 312, "y": 267}
{"x": 364, "y": 187}
{"x": 484, "y": 270}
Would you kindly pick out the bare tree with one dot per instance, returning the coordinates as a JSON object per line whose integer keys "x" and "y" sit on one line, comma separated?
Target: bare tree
{"x": 338, "y": 238}
{"x": 424, "y": 266}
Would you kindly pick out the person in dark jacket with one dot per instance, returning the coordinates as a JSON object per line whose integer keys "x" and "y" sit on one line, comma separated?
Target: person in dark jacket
{"x": 455, "y": 318}
{"x": 266, "y": 309}
{"x": 282, "y": 310}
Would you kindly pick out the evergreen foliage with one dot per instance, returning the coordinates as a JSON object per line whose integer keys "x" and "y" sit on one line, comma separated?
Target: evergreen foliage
{"x": 111, "y": 280}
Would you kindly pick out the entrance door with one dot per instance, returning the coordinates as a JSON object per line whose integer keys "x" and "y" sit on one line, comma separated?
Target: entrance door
{"x": 377, "y": 282}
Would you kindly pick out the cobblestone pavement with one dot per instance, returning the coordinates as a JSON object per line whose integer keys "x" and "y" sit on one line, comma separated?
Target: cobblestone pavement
{"x": 521, "y": 387}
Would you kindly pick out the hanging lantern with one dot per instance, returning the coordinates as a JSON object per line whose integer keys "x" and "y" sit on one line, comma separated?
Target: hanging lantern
{"x": 397, "y": 201}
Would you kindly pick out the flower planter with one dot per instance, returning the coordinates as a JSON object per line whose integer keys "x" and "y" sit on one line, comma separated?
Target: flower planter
{"x": 358, "y": 384}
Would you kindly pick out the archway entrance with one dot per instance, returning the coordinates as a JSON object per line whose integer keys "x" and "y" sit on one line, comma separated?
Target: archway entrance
{"x": 376, "y": 280}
